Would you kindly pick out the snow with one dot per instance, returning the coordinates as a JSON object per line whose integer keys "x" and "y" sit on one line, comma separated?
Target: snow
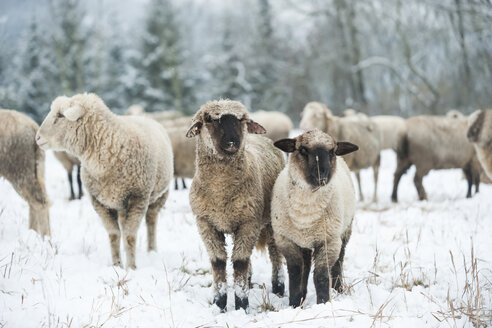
{"x": 398, "y": 266}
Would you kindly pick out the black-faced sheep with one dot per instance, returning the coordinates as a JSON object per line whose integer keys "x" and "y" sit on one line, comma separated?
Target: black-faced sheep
{"x": 22, "y": 164}
{"x": 231, "y": 193}
{"x": 480, "y": 134}
{"x": 126, "y": 164}
{"x": 313, "y": 207}
{"x": 432, "y": 143}
{"x": 359, "y": 129}
{"x": 69, "y": 162}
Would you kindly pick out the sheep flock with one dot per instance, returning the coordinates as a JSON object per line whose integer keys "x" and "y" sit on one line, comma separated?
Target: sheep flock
{"x": 261, "y": 204}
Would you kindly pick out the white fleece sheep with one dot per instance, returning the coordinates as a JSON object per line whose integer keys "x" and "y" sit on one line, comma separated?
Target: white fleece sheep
{"x": 392, "y": 131}
{"x": 127, "y": 164}
{"x": 359, "y": 129}
{"x": 313, "y": 207}
{"x": 22, "y": 164}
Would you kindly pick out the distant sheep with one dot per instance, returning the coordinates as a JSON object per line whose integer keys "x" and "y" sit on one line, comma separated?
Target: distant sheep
{"x": 69, "y": 162}
{"x": 454, "y": 113}
{"x": 22, "y": 164}
{"x": 480, "y": 134}
{"x": 313, "y": 207}
{"x": 360, "y": 130}
{"x": 158, "y": 116}
{"x": 126, "y": 165}
{"x": 231, "y": 193}
{"x": 432, "y": 143}
{"x": 276, "y": 124}
{"x": 184, "y": 150}
{"x": 392, "y": 131}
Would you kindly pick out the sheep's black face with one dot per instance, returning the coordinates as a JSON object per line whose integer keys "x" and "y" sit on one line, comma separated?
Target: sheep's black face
{"x": 475, "y": 129}
{"x": 227, "y": 133}
{"x": 319, "y": 165}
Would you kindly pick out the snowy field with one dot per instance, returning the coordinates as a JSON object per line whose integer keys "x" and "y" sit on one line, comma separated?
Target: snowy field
{"x": 413, "y": 264}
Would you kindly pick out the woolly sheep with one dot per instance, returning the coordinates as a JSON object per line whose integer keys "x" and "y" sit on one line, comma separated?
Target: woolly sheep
{"x": 69, "y": 162}
{"x": 231, "y": 193}
{"x": 22, "y": 164}
{"x": 361, "y": 131}
{"x": 276, "y": 124}
{"x": 313, "y": 207}
{"x": 432, "y": 143}
{"x": 480, "y": 134}
{"x": 126, "y": 164}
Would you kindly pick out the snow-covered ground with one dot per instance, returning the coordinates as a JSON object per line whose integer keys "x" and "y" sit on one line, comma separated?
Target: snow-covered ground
{"x": 413, "y": 264}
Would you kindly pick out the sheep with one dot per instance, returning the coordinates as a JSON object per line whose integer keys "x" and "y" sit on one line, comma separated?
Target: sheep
{"x": 479, "y": 133}
{"x": 158, "y": 116}
{"x": 362, "y": 131}
{"x": 231, "y": 193}
{"x": 276, "y": 124}
{"x": 184, "y": 151}
{"x": 433, "y": 143}
{"x": 313, "y": 206}
{"x": 69, "y": 162}
{"x": 22, "y": 164}
{"x": 454, "y": 113}
{"x": 392, "y": 131}
{"x": 126, "y": 165}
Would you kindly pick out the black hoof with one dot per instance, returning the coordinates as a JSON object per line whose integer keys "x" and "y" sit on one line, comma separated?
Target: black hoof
{"x": 221, "y": 301}
{"x": 278, "y": 288}
{"x": 241, "y": 303}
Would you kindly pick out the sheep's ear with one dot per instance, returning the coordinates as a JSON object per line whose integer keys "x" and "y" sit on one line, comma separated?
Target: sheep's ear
{"x": 74, "y": 113}
{"x": 287, "y": 145}
{"x": 255, "y": 128}
{"x": 475, "y": 123}
{"x": 194, "y": 130}
{"x": 344, "y": 148}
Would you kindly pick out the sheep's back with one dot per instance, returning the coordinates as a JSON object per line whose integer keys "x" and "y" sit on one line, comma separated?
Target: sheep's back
{"x": 438, "y": 142}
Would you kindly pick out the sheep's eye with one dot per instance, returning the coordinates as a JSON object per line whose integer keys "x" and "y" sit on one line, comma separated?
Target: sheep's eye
{"x": 303, "y": 151}
{"x": 208, "y": 118}
{"x": 60, "y": 115}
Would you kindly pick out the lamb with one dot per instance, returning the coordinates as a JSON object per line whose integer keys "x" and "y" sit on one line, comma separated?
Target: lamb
{"x": 392, "y": 131}
{"x": 69, "y": 162}
{"x": 126, "y": 165}
{"x": 276, "y": 124}
{"x": 184, "y": 151}
{"x": 313, "y": 207}
{"x": 480, "y": 135}
{"x": 363, "y": 132}
{"x": 22, "y": 164}
{"x": 231, "y": 193}
{"x": 433, "y": 143}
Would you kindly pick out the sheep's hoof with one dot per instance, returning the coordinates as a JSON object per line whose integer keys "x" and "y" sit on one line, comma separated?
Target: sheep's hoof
{"x": 278, "y": 288}
{"x": 242, "y": 302}
{"x": 72, "y": 197}
{"x": 221, "y": 301}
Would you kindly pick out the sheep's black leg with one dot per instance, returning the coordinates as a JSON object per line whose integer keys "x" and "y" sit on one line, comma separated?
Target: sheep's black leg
{"x": 175, "y": 183}
{"x": 469, "y": 178}
{"x": 184, "y": 183}
{"x": 278, "y": 286}
{"x": 241, "y": 269}
{"x": 417, "y": 180}
{"x": 402, "y": 167}
{"x": 70, "y": 182}
{"x": 79, "y": 182}
{"x": 337, "y": 268}
{"x": 294, "y": 257}
{"x": 306, "y": 268}
{"x": 214, "y": 241}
